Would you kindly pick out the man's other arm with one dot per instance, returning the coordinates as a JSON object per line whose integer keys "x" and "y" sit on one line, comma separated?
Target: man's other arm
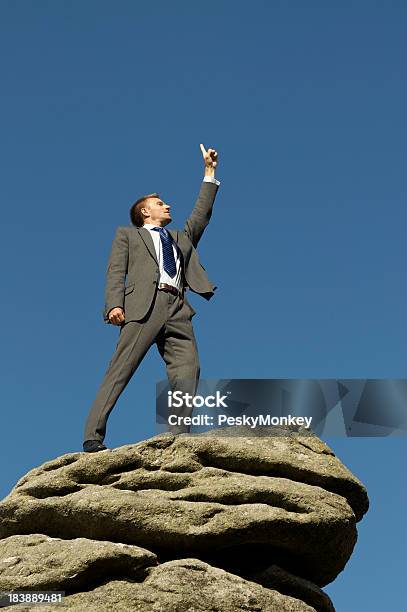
{"x": 116, "y": 272}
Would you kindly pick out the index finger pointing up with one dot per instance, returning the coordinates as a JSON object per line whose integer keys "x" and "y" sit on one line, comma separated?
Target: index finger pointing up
{"x": 203, "y": 149}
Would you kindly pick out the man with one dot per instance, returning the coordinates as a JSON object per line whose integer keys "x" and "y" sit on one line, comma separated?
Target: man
{"x": 152, "y": 308}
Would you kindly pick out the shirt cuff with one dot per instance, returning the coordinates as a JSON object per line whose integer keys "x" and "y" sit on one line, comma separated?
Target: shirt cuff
{"x": 211, "y": 179}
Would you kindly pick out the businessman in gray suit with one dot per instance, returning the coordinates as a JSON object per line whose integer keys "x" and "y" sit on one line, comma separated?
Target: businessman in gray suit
{"x": 152, "y": 308}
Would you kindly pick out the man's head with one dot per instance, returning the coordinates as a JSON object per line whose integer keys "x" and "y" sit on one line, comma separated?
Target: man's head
{"x": 150, "y": 209}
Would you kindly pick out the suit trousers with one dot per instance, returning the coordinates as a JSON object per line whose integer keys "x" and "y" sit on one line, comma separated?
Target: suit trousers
{"x": 168, "y": 325}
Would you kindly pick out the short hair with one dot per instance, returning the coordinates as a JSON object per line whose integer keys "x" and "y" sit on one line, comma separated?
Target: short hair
{"x": 136, "y": 216}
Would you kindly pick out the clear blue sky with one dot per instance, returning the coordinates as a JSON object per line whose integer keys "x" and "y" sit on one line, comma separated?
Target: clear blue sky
{"x": 305, "y": 103}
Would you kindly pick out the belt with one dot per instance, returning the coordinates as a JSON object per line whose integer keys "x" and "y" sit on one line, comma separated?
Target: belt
{"x": 169, "y": 289}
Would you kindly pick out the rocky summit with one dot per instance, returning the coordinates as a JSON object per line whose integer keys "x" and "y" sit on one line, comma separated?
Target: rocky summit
{"x": 231, "y": 520}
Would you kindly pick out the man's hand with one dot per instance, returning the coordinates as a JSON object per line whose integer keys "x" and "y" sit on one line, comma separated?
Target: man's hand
{"x": 116, "y": 316}
{"x": 211, "y": 160}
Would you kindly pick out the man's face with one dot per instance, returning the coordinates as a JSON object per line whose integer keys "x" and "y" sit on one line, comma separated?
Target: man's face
{"x": 158, "y": 211}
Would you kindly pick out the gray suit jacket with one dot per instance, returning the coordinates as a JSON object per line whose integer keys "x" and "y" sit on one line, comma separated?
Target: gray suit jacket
{"x": 133, "y": 254}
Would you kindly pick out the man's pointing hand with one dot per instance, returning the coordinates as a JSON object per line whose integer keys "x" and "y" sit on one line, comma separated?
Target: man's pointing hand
{"x": 210, "y": 158}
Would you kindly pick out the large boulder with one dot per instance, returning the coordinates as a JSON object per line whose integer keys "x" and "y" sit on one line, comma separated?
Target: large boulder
{"x": 277, "y": 512}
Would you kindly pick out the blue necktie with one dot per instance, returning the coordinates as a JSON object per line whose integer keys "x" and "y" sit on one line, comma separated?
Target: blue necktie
{"x": 168, "y": 254}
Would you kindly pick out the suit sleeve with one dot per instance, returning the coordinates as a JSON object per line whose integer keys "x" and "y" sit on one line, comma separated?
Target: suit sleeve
{"x": 116, "y": 272}
{"x": 201, "y": 213}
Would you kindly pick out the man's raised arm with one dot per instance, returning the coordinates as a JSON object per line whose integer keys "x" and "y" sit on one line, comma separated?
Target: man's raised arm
{"x": 201, "y": 214}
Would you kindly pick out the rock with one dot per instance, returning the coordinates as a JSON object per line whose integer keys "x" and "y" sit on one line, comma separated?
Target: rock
{"x": 39, "y": 563}
{"x": 276, "y": 513}
{"x": 180, "y": 586}
{"x": 276, "y": 578}
{"x": 268, "y": 501}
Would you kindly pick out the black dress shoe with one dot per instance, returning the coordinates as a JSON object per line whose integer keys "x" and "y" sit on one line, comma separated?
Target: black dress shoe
{"x": 93, "y": 446}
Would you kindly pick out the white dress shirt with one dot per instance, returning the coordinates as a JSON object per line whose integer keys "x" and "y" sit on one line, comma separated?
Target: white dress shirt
{"x": 177, "y": 280}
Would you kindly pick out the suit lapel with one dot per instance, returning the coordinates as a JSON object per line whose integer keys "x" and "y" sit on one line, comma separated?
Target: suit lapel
{"x": 148, "y": 241}
{"x": 175, "y": 237}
